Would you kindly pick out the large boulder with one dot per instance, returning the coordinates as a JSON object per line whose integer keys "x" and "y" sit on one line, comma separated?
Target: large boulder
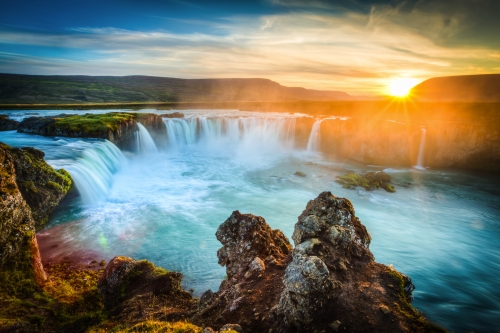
{"x": 333, "y": 282}
{"x": 134, "y": 290}
{"x": 255, "y": 257}
{"x": 247, "y": 238}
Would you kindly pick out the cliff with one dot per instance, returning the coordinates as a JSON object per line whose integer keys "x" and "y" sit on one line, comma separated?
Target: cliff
{"x": 30, "y": 190}
{"x": 448, "y": 144}
{"x": 465, "y": 88}
{"x": 117, "y": 127}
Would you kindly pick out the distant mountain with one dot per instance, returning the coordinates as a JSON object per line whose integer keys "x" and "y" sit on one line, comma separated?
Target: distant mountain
{"x": 27, "y": 89}
{"x": 468, "y": 88}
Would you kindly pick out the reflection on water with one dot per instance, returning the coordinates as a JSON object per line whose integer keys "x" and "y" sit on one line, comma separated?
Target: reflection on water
{"x": 441, "y": 227}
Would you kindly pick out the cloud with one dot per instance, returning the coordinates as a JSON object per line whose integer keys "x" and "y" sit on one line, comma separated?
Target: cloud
{"x": 355, "y": 52}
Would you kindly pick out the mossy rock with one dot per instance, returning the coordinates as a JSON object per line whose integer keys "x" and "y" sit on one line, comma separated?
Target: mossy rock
{"x": 370, "y": 180}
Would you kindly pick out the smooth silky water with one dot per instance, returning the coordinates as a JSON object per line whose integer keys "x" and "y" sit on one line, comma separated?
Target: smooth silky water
{"x": 165, "y": 205}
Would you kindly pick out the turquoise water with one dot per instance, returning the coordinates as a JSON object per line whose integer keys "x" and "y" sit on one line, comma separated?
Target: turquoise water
{"x": 442, "y": 230}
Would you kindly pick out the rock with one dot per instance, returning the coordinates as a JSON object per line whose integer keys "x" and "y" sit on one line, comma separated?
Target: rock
{"x": 246, "y": 237}
{"x": 306, "y": 283}
{"x": 257, "y": 265}
{"x": 300, "y": 174}
{"x": 231, "y": 327}
{"x": 41, "y": 186}
{"x": 29, "y": 190}
{"x": 370, "y": 180}
{"x": 384, "y": 309}
{"x": 331, "y": 273}
{"x": 335, "y": 325}
{"x": 117, "y": 127}
{"x": 7, "y": 124}
{"x": 133, "y": 288}
{"x": 206, "y": 298}
{"x": 208, "y": 330}
{"x": 172, "y": 115}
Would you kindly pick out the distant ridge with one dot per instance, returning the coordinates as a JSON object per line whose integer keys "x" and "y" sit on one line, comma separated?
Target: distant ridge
{"x": 467, "y": 88}
{"x": 38, "y": 89}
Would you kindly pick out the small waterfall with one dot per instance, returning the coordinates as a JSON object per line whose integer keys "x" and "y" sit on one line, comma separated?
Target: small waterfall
{"x": 93, "y": 171}
{"x": 314, "y": 137}
{"x": 145, "y": 143}
{"x": 420, "y": 160}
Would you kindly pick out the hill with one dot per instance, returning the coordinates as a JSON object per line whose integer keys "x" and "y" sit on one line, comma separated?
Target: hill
{"x": 27, "y": 89}
{"x": 467, "y": 88}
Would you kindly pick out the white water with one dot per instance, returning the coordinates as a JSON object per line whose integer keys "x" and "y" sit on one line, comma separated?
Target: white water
{"x": 313, "y": 144}
{"x": 420, "y": 161}
{"x": 145, "y": 143}
{"x": 249, "y": 139}
{"x": 93, "y": 171}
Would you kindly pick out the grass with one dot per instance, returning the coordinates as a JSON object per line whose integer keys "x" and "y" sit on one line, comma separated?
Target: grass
{"x": 93, "y": 124}
{"x": 151, "y": 326}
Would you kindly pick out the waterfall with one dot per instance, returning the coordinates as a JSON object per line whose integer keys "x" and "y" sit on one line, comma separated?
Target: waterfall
{"x": 420, "y": 160}
{"x": 145, "y": 143}
{"x": 92, "y": 172}
{"x": 231, "y": 133}
{"x": 314, "y": 137}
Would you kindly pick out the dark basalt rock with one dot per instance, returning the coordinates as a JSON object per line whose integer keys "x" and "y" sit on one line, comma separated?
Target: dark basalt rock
{"x": 7, "y": 124}
{"x": 134, "y": 290}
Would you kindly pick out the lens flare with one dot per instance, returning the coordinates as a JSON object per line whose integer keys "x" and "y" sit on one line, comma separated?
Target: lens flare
{"x": 401, "y": 87}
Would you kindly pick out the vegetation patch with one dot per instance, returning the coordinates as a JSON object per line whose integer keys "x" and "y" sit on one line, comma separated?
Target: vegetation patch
{"x": 152, "y": 326}
{"x": 93, "y": 124}
{"x": 370, "y": 180}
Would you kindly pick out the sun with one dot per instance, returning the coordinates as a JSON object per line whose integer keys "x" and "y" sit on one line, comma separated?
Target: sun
{"x": 401, "y": 87}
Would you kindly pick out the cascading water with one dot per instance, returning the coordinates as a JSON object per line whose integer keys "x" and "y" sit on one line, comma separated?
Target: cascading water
{"x": 145, "y": 143}
{"x": 314, "y": 137}
{"x": 93, "y": 171}
{"x": 420, "y": 160}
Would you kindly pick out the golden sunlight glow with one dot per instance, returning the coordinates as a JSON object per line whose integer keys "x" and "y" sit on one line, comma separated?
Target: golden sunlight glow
{"x": 401, "y": 87}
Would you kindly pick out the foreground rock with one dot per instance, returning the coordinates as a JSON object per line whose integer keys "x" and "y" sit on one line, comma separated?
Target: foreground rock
{"x": 328, "y": 283}
{"x": 255, "y": 257}
{"x": 134, "y": 291}
{"x": 117, "y": 127}
{"x": 29, "y": 191}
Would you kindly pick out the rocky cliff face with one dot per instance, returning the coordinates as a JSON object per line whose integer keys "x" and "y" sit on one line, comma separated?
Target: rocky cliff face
{"x": 117, "y": 127}
{"x": 30, "y": 189}
{"x": 329, "y": 282}
{"x": 384, "y": 142}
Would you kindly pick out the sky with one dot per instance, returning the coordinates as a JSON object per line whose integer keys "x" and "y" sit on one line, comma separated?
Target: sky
{"x": 356, "y": 46}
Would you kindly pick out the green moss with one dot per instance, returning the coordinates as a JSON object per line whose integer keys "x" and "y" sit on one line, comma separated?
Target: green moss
{"x": 370, "y": 180}
{"x": 405, "y": 308}
{"x": 94, "y": 125}
{"x": 152, "y": 326}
